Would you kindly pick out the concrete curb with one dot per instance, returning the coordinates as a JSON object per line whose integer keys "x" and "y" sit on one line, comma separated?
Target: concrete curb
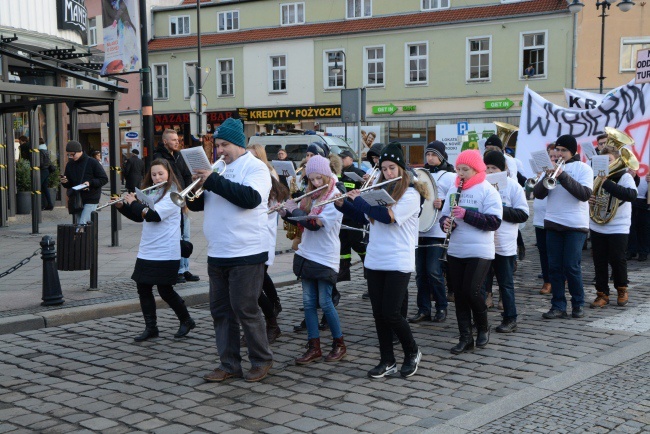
{"x": 193, "y": 296}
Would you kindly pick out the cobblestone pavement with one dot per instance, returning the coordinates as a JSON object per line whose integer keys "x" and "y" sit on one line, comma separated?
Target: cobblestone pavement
{"x": 91, "y": 376}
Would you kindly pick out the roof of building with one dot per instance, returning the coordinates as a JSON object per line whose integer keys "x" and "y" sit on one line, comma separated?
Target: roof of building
{"x": 383, "y": 23}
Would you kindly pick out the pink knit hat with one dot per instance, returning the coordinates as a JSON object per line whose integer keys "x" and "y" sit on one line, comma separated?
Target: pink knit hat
{"x": 318, "y": 164}
{"x": 471, "y": 158}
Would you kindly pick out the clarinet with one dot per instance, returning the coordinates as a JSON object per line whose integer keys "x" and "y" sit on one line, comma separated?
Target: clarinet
{"x": 445, "y": 245}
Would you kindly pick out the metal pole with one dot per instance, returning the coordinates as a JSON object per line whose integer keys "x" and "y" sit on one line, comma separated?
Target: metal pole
{"x": 147, "y": 98}
{"x": 345, "y": 86}
{"x": 94, "y": 265}
{"x": 604, "y": 6}
{"x": 114, "y": 158}
{"x": 197, "y": 85}
{"x": 51, "y": 288}
{"x": 36, "y": 171}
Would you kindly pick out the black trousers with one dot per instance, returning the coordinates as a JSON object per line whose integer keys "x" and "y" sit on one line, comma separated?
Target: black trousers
{"x": 388, "y": 291}
{"x": 609, "y": 249}
{"x": 167, "y": 293}
{"x": 466, "y": 277}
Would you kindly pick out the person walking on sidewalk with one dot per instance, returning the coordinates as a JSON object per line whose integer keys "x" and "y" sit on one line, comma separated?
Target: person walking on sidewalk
{"x": 159, "y": 251}
{"x": 390, "y": 258}
{"x": 567, "y": 224}
{"x": 170, "y": 150}
{"x": 133, "y": 171}
{"x": 46, "y": 170}
{"x": 316, "y": 261}
{"x": 236, "y": 229}
{"x": 477, "y": 211}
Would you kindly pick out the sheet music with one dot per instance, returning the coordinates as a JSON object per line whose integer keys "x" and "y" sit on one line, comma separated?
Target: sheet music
{"x": 588, "y": 150}
{"x": 377, "y": 197}
{"x": 533, "y": 166}
{"x": 542, "y": 160}
{"x": 145, "y": 199}
{"x": 196, "y": 159}
{"x": 498, "y": 180}
{"x": 353, "y": 176}
{"x": 284, "y": 168}
{"x": 600, "y": 165}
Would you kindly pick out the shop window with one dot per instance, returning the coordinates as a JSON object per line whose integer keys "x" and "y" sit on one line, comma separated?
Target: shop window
{"x": 359, "y": 8}
{"x": 278, "y": 74}
{"x": 228, "y": 21}
{"x": 179, "y": 25}
{"x": 292, "y": 13}
{"x": 479, "y": 53}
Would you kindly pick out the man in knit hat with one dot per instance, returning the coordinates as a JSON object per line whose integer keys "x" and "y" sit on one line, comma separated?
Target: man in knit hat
{"x": 567, "y": 225}
{"x": 81, "y": 169}
{"x": 235, "y": 227}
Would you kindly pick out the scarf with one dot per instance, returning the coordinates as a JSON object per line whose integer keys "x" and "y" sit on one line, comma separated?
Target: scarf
{"x": 474, "y": 180}
{"x": 316, "y": 210}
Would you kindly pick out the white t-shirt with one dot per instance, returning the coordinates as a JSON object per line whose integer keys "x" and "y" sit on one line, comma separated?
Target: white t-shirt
{"x": 621, "y": 222}
{"x": 391, "y": 247}
{"x": 564, "y": 209}
{"x": 466, "y": 241}
{"x": 539, "y": 212}
{"x": 232, "y": 231}
{"x": 161, "y": 240}
{"x": 273, "y": 233}
{"x": 444, "y": 181}
{"x": 505, "y": 238}
{"x": 642, "y": 189}
{"x": 324, "y": 245}
{"x": 511, "y": 166}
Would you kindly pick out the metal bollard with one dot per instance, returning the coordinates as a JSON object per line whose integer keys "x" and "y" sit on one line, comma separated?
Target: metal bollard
{"x": 52, "y": 294}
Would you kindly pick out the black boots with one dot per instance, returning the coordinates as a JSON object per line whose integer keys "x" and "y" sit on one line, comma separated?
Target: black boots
{"x": 482, "y": 329}
{"x": 185, "y": 327}
{"x": 148, "y": 306}
{"x": 466, "y": 341}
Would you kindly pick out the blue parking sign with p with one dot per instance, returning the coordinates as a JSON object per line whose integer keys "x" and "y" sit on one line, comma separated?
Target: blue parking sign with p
{"x": 463, "y": 127}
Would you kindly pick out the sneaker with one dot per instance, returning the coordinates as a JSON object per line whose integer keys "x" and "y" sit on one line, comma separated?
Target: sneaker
{"x": 555, "y": 314}
{"x": 383, "y": 369}
{"x": 191, "y": 277}
{"x": 180, "y": 279}
{"x": 507, "y": 326}
{"x": 410, "y": 365}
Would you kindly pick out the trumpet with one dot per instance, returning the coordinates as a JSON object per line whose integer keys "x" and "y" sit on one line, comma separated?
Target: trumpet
{"x": 334, "y": 199}
{"x": 122, "y": 199}
{"x": 550, "y": 182}
{"x": 279, "y": 206}
{"x": 530, "y": 182}
{"x": 180, "y": 198}
{"x": 371, "y": 177}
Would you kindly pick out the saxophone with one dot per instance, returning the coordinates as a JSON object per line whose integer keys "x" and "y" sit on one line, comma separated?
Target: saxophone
{"x": 293, "y": 231}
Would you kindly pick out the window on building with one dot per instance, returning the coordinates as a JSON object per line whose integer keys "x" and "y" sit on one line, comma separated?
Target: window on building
{"x": 92, "y": 32}
{"x": 374, "y": 66}
{"x": 334, "y": 60}
{"x": 179, "y": 25}
{"x": 533, "y": 54}
{"x": 79, "y": 83}
{"x": 292, "y": 13}
{"x": 417, "y": 63}
{"x": 225, "y": 77}
{"x": 629, "y": 47}
{"x": 428, "y": 5}
{"x": 94, "y": 86}
{"x": 359, "y": 8}
{"x": 160, "y": 81}
{"x": 188, "y": 85}
{"x": 278, "y": 76}
{"x": 228, "y": 21}
{"x": 479, "y": 54}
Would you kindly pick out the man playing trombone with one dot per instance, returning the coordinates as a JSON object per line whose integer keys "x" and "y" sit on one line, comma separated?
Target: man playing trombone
{"x": 235, "y": 227}
{"x": 568, "y": 189}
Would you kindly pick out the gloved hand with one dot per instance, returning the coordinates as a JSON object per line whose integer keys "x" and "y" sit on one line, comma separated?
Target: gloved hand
{"x": 459, "y": 212}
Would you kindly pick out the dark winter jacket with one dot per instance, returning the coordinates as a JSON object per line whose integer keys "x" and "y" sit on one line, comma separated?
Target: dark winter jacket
{"x": 94, "y": 174}
{"x": 176, "y": 161}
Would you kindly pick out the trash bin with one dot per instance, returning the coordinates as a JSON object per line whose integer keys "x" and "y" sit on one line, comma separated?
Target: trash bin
{"x": 75, "y": 247}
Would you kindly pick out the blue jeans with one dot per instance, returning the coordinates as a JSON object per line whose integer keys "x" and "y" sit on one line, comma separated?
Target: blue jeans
{"x": 564, "y": 263}
{"x": 84, "y": 216}
{"x": 540, "y": 236}
{"x": 504, "y": 268}
{"x": 185, "y": 262}
{"x": 428, "y": 275}
{"x": 315, "y": 293}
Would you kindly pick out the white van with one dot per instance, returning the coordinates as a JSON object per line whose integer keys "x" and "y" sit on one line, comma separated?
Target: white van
{"x": 296, "y": 145}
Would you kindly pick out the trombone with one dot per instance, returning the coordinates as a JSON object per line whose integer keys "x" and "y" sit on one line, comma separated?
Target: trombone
{"x": 122, "y": 199}
{"x": 179, "y": 198}
{"x": 279, "y": 206}
{"x": 550, "y": 182}
{"x": 334, "y": 199}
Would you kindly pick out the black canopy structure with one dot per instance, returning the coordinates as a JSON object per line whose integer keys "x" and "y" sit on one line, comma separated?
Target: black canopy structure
{"x": 21, "y": 97}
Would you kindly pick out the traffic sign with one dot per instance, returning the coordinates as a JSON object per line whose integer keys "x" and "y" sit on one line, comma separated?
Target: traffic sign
{"x": 204, "y": 103}
{"x": 384, "y": 109}
{"x": 191, "y": 73}
{"x": 499, "y": 104}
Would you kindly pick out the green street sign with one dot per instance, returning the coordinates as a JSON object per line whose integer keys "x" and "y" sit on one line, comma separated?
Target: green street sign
{"x": 499, "y": 104}
{"x": 384, "y": 109}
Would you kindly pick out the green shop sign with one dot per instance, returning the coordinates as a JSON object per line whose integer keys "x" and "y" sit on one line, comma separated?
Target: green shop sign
{"x": 499, "y": 104}
{"x": 391, "y": 108}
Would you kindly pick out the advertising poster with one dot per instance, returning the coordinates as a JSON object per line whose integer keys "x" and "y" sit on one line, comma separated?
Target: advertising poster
{"x": 121, "y": 36}
{"x": 462, "y": 136}
{"x": 105, "y": 160}
{"x": 369, "y": 135}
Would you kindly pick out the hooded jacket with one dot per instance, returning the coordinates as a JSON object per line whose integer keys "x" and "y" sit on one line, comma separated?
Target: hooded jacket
{"x": 176, "y": 162}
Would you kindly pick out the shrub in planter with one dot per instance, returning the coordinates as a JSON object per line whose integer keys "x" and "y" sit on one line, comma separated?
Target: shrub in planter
{"x": 24, "y": 186}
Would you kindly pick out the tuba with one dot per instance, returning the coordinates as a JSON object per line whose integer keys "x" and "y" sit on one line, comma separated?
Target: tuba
{"x": 505, "y": 132}
{"x": 605, "y": 207}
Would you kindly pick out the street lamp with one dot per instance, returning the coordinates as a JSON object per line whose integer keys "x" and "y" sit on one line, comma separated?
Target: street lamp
{"x": 624, "y": 5}
{"x": 337, "y": 70}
